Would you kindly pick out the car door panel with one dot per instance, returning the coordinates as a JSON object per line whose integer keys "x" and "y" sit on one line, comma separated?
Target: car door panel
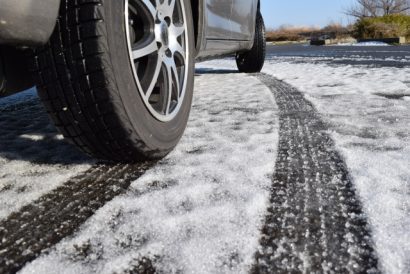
{"x": 222, "y": 35}
{"x": 243, "y": 19}
{"x": 218, "y": 14}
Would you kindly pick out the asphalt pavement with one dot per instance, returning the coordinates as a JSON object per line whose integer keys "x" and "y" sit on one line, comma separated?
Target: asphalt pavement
{"x": 376, "y": 56}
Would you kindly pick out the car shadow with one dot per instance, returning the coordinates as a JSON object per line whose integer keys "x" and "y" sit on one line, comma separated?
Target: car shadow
{"x": 27, "y": 134}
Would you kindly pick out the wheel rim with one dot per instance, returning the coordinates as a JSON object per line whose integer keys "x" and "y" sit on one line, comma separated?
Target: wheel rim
{"x": 159, "y": 54}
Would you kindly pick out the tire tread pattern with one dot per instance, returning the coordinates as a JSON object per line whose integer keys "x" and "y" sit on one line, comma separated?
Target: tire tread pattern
{"x": 76, "y": 84}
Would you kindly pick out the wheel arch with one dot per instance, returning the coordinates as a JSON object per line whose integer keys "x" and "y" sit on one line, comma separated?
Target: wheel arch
{"x": 198, "y": 13}
{"x": 27, "y": 22}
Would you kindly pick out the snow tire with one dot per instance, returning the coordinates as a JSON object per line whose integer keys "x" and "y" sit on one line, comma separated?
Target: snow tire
{"x": 86, "y": 82}
{"x": 252, "y": 61}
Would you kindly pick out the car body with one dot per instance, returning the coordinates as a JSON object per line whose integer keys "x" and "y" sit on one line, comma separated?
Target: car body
{"x": 221, "y": 27}
{"x": 117, "y": 76}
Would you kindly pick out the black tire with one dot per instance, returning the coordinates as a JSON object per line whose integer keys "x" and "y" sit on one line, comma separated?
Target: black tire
{"x": 86, "y": 82}
{"x": 253, "y": 60}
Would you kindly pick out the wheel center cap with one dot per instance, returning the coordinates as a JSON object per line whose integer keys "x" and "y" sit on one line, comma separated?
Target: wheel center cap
{"x": 164, "y": 34}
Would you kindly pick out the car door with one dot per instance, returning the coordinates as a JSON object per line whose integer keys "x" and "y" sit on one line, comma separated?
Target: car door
{"x": 243, "y": 19}
{"x": 218, "y": 13}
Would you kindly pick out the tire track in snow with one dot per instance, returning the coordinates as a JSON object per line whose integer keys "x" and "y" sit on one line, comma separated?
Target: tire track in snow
{"x": 315, "y": 222}
{"x": 26, "y": 234}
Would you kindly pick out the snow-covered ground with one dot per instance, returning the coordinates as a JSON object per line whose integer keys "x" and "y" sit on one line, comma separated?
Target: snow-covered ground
{"x": 201, "y": 208}
{"x": 369, "y": 114}
{"x": 368, "y": 111}
{"x": 33, "y": 157}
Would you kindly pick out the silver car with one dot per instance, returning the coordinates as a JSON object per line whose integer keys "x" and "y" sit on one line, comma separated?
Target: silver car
{"x": 117, "y": 76}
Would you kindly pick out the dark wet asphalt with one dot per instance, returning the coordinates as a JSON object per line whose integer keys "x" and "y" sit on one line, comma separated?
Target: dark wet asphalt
{"x": 378, "y": 56}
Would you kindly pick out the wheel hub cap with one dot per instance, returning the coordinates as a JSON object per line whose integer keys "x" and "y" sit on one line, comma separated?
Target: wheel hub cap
{"x": 162, "y": 33}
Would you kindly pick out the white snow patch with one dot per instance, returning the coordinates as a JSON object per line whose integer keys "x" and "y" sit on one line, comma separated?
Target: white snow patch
{"x": 33, "y": 157}
{"x": 200, "y": 209}
{"x": 365, "y": 44}
{"x": 22, "y": 182}
{"x": 373, "y": 134}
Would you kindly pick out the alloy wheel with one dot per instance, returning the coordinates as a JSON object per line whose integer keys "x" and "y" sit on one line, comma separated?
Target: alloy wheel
{"x": 159, "y": 54}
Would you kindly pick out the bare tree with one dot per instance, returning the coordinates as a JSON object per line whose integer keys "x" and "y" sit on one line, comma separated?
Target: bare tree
{"x": 374, "y": 8}
{"x": 387, "y": 7}
{"x": 363, "y": 8}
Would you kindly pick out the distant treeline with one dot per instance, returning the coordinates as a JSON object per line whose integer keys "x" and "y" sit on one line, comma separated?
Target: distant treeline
{"x": 387, "y": 26}
{"x": 290, "y": 33}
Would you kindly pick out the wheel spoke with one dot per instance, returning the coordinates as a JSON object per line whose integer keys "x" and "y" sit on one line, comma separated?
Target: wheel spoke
{"x": 167, "y": 8}
{"x": 171, "y": 71}
{"x": 155, "y": 76}
{"x": 177, "y": 79}
{"x": 177, "y": 30}
{"x": 171, "y": 7}
{"x": 144, "y": 49}
{"x": 169, "y": 90}
{"x": 178, "y": 49}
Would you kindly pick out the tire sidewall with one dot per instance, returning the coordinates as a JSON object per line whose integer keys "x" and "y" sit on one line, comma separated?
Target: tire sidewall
{"x": 160, "y": 137}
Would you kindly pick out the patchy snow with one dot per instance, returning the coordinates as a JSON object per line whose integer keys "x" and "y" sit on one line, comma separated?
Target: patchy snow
{"x": 200, "y": 209}
{"x": 365, "y": 44}
{"x": 369, "y": 114}
{"x": 33, "y": 157}
{"x": 368, "y": 110}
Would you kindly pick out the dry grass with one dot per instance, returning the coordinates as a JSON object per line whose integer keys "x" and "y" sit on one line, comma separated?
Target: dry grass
{"x": 295, "y": 34}
{"x": 288, "y": 34}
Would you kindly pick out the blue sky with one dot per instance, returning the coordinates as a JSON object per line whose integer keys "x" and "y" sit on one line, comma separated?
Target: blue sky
{"x": 304, "y": 12}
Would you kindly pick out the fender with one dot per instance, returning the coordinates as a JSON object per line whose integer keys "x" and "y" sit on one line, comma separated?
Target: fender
{"x": 198, "y": 13}
{"x": 31, "y": 22}
{"x": 27, "y": 22}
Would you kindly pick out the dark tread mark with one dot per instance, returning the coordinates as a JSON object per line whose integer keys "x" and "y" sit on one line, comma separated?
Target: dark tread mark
{"x": 24, "y": 235}
{"x": 315, "y": 223}
{"x": 141, "y": 266}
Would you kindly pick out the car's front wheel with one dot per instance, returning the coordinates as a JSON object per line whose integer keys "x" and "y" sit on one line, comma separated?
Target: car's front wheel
{"x": 117, "y": 76}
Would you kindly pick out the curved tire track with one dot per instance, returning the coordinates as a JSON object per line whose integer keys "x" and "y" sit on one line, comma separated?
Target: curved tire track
{"x": 24, "y": 235}
{"x": 315, "y": 222}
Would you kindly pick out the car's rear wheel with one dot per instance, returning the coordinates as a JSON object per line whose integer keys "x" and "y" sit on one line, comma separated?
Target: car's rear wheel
{"x": 253, "y": 60}
{"x": 117, "y": 76}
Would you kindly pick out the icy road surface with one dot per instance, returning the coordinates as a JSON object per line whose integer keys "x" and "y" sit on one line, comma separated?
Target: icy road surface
{"x": 308, "y": 173}
{"x": 200, "y": 209}
{"x": 367, "y": 109}
{"x": 34, "y": 159}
